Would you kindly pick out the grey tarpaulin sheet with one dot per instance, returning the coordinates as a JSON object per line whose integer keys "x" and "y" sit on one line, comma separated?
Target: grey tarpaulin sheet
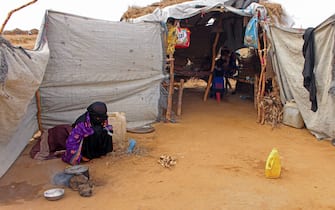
{"x": 78, "y": 60}
{"x": 288, "y": 63}
{"x": 18, "y": 120}
{"x": 191, "y": 8}
{"x": 186, "y": 10}
{"x": 95, "y": 60}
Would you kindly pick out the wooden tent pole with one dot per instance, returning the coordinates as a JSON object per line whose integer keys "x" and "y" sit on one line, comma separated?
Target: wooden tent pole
{"x": 180, "y": 96}
{"x": 264, "y": 62}
{"x": 38, "y": 102}
{"x": 255, "y": 90}
{"x": 210, "y": 78}
{"x": 259, "y": 111}
{"x": 264, "y": 74}
{"x": 171, "y": 88}
{"x": 262, "y": 79}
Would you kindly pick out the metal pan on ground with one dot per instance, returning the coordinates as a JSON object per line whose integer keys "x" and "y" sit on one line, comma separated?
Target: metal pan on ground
{"x": 143, "y": 129}
{"x": 54, "y": 194}
{"x": 77, "y": 169}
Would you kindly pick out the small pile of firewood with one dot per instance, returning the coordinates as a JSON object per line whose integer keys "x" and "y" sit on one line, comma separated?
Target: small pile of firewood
{"x": 272, "y": 110}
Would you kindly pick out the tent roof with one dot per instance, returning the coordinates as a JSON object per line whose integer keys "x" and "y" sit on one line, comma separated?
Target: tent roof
{"x": 189, "y": 9}
{"x": 181, "y": 9}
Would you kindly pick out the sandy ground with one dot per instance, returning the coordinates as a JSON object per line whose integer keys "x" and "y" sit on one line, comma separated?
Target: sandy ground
{"x": 25, "y": 41}
{"x": 221, "y": 153}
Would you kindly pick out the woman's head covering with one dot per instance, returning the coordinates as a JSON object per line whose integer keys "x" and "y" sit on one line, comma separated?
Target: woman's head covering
{"x": 97, "y": 112}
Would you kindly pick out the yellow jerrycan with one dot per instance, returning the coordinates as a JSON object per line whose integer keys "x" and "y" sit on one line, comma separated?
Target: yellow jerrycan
{"x": 273, "y": 165}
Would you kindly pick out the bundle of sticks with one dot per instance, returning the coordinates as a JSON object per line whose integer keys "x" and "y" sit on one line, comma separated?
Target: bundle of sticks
{"x": 272, "y": 109}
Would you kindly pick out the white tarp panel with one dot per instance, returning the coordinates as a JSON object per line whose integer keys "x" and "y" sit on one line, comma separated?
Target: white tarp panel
{"x": 18, "y": 110}
{"x": 78, "y": 61}
{"x": 289, "y": 61}
{"x": 191, "y": 8}
{"x": 94, "y": 60}
{"x": 188, "y": 9}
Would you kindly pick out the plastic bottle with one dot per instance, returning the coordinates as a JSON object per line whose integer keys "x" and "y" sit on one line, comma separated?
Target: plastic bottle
{"x": 273, "y": 165}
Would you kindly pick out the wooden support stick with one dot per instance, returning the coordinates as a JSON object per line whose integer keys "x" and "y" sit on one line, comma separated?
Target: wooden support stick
{"x": 171, "y": 88}
{"x": 262, "y": 79}
{"x": 11, "y": 12}
{"x": 260, "y": 96}
{"x": 259, "y": 113}
{"x": 255, "y": 90}
{"x": 264, "y": 57}
{"x": 262, "y": 114}
{"x": 259, "y": 86}
{"x": 180, "y": 96}
{"x": 210, "y": 78}
{"x": 38, "y": 103}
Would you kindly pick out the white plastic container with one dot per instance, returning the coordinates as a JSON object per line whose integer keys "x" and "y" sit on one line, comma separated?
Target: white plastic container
{"x": 292, "y": 116}
{"x": 119, "y": 123}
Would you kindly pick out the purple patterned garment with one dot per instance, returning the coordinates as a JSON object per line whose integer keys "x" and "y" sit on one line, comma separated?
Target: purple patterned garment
{"x": 75, "y": 139}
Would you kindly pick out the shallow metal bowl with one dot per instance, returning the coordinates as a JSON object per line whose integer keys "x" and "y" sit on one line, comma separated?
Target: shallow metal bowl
{"x": 76, "y": 169}
{"x": 54, "y": 194}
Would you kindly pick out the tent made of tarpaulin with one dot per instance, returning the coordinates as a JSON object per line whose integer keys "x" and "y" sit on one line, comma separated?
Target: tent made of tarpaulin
{"x": 203, "y": 19}
{"x": 288, "y": 62}
{"x": 206, "y": 20}
{"x": 213, "y": 25}
{"x": 77, "y": 61}
{"x": 287, "y": 58}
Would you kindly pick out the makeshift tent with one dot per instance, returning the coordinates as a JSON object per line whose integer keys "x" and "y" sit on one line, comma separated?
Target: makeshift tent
{"x": 285, "y": 52}
{"x": 288, "y": 62}
{"x": 213, "y": 25}
{"x": 77, "y": 61}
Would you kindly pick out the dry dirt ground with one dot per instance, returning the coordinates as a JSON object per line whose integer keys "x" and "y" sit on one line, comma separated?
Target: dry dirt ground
{"x": 25, "y": 41}
{"x": 221, "y": 153}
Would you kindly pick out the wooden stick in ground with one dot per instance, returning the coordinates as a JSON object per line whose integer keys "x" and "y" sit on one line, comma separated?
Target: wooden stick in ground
{"x": 255, "y": 90}
{"x": 259, "y": 83}
{"x": 38, "y": 102}
{"x": 171, "y": 88}
{"x": 260, "y": 95}
{"x": 262, "y": 79}
{"x": 180, "y": 96}
{"x": 11, "y": 12}
{"x": 259, "y": 113}
{"x": 210, "y": 78}
{"x": 263, "y": 114}
{"x": 264, "y": 57}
